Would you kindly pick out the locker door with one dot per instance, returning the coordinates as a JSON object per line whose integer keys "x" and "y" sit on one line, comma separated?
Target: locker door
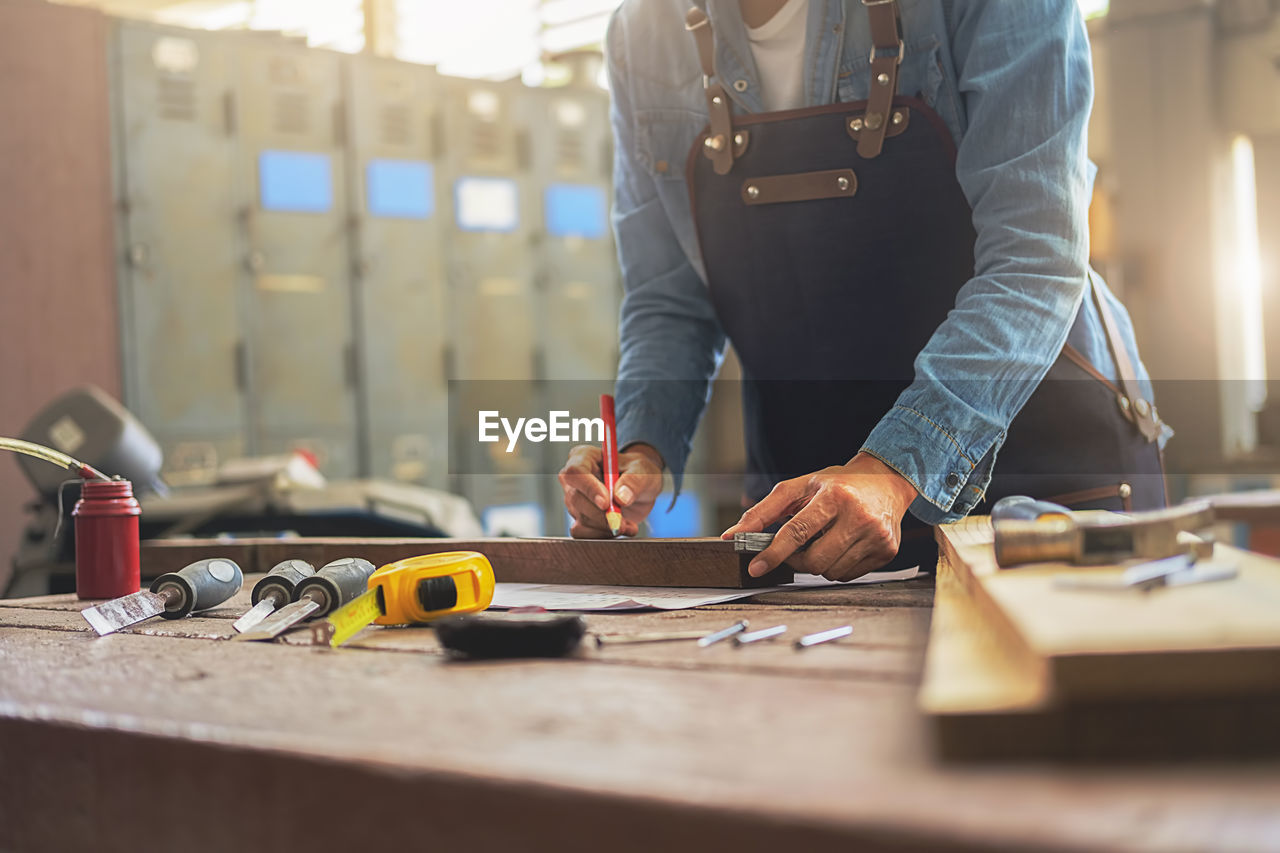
{"x": 174, "y": 153}
{"x": 577, "y": 262}
{"x": 395, "y": 128}
{"x": 294, "y": 214}
{"x": 492, "y": 280}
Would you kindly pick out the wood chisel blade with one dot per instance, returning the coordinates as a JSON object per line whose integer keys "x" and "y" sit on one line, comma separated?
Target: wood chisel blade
{"x": 260, "y": 611}
{"x": 111, "y": 616}
{"x": 282, "y": 620}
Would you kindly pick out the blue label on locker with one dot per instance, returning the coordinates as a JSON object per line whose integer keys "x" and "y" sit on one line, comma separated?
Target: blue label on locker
{"x": 576, "y": 210}
{"x": 400, "y": 189}
{"x": 295, "y": 181}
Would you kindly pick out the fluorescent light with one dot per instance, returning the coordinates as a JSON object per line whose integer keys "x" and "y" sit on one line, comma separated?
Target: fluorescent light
{"x": 1248, "y": 272}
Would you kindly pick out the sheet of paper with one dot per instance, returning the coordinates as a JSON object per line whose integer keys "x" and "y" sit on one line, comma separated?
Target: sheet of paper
{"x": 559, "y": 596}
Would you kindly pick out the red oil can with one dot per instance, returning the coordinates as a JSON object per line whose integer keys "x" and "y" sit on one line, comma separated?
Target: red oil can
{"x": 106, "y": 519}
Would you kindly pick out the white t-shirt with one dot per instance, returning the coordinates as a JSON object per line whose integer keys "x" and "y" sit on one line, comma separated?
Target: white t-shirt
{"x": 778, "y": 48}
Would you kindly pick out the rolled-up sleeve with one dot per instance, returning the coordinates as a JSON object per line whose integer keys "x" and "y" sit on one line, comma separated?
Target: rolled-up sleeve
{"x": 1024, "y": 74}
{"x": 670, "y": 340}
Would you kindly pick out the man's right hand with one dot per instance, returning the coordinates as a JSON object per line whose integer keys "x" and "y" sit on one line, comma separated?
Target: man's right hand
{"x": 586, "y": 498}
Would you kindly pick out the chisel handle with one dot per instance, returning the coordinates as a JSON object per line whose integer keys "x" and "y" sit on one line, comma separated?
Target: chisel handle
{"x": 201, "y": 585}
{"x": 1023, "y": 508}
{"x": 335, "y": 584}
{"x": 281, "y": 581}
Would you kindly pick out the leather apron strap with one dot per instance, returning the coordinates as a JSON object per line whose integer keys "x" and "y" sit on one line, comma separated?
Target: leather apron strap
{"x": 1135, "y": 408}
{"x": 886, "y": 56}
{"x": 720, "y": 143}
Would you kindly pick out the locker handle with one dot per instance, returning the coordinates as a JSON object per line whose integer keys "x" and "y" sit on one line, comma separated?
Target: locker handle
{"x": 339, "y": 124}
{"x": 449, "y": 361}
{"x": 351, "y": 365}
{"x": 229, "y": 112}
{"x": 240, "y": 357}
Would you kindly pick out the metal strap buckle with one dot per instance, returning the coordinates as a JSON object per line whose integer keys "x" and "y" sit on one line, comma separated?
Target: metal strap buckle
{"x": 897, "y": 59}
{"x": 878, "y": 2}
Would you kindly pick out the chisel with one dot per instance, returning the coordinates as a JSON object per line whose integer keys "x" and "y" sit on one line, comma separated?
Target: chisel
{"x": 199, "y": 586}
{"x": 319, "y": 595}
{"x": 412, "y": 592}
{"x": 274, "y": 591}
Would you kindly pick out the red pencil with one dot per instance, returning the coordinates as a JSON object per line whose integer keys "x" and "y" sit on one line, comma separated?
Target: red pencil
{"x": 614, "y": 514}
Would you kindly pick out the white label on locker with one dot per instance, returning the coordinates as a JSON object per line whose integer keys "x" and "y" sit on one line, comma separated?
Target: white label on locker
{"x": 487, "y": 204}
{"x": 175, "y": 55}
{"x": 66, "y": 435}
{"x": 291, "y": 283}
{"x": 491, "y": 287}
{"x": 570, "y": 113}
{"x": 484, "y": 104}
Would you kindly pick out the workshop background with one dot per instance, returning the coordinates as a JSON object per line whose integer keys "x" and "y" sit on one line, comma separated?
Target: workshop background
{"x": 270, "y": 226}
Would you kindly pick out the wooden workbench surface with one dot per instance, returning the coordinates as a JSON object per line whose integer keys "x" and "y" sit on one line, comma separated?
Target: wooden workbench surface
{"x": 168, "y": 737}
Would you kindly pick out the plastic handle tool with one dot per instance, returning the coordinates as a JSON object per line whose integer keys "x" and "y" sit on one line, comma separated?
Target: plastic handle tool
{"x": 282, "y": 580}
{"x": 201, "y": 585}
{"x": 273, "y": 592}
{"x": 335, "y": 584}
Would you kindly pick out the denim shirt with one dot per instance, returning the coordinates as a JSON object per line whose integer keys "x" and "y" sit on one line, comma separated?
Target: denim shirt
{"x": 1013, "y": 83}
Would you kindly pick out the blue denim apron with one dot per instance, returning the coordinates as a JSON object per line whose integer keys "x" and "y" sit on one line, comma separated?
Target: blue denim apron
{"x": 808, "y": 221}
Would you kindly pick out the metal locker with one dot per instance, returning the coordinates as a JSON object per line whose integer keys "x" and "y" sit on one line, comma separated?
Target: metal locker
{"x": 296, "y": 250}
{"x": 492, "y": 289}
{"x": 173, "y": 159}
{"x": 395, "y": 129}
{"x": 580, "y": 287}
{"x": 576, "y": 258}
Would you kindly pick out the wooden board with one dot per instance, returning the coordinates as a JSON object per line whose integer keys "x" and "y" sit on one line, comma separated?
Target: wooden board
{"x": 989, "y": 699}
{"x": 1206, "y": 639}
{"x": 624, "y": 562}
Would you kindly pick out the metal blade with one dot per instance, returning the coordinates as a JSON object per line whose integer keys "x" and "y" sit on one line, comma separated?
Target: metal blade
{"x": 1203, "y": 573}
{"x": 282, "y": 620}
{"x": 111, "y": 616}
{"x": 260, "y": 611}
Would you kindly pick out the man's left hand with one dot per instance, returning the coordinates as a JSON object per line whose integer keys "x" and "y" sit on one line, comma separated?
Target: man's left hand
{"x": 850, "y": 514}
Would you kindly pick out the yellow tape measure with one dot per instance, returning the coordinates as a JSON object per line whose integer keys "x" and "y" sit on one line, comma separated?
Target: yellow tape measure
{"x": 353, "y": 617}
{"x": 416, "y": 590}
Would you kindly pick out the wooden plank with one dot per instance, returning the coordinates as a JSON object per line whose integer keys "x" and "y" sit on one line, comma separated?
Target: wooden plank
{"x": 625, "y": 562}
{"x": 992, "y": 700}
{"x": 1208, "y": 639}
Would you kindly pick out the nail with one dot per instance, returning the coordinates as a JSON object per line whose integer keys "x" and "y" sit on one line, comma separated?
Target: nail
{"x": 757, "y": 567}
{"x": 624, "y": 495}
{"x": 602, "y": 503}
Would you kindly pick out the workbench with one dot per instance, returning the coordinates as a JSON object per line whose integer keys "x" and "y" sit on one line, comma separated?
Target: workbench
{"x": 167, "y": 736}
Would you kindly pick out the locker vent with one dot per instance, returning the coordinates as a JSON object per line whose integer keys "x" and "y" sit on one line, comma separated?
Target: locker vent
{"x": 486, "y": 140}
{"x": 570, "y": 152}
{"x": 395, "y": 125}
{"x": 176, "y": 97}
{"x": 291, "y": 112}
